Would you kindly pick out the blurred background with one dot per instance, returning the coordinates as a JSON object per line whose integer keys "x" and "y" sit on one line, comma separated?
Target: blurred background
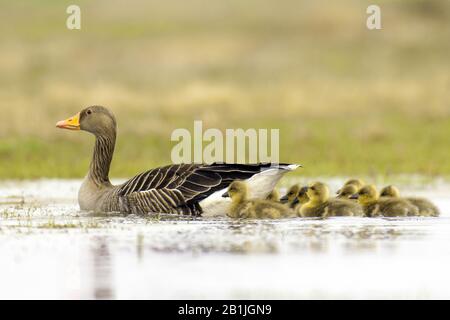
{"x": 347, "y": 100}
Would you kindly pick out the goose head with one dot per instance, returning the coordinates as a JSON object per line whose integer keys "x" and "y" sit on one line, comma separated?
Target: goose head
{"x": 291, "y": 194}
{"x": 347, "y": 191}
{"x": 390, "y": 191}
{"x": 318, "y": 192}
{"x": 237, "y": 191}
{"x": 97, "y": 120}
{"x": 366, "y": 195}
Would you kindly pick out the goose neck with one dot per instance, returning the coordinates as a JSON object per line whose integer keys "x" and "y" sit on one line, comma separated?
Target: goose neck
{"x": 101, "y": 160}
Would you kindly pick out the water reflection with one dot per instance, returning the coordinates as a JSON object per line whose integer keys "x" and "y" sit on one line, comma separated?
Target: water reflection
{"x": 140, "y": 246}
{"x": 102, "y": 272}
{"x": 271, "y": 237}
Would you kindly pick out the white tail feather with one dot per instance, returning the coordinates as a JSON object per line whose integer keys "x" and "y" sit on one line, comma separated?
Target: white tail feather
{"x": 260, "y": 185}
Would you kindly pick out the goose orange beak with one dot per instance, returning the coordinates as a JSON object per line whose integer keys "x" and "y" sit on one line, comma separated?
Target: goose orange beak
{"x": 72, "y": 123}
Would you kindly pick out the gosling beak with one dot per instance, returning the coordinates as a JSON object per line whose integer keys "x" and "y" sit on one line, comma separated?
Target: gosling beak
{"x": 354, "y": 196}
{"x": 225, "y": 195}
{"x": 295, "y": 201}
{"x": 284, "y": 199}
{"x": 72, "y": 123}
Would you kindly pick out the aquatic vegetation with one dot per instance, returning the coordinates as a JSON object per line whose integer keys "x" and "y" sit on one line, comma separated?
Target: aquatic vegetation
{"x": 8, "y": 213}
{"x": 52, "y": 223}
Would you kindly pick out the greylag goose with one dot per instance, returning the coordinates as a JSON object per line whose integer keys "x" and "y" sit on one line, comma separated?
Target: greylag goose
{"x": 426, "y": 207}
{"x": 320, "y": 205}
{"x": 243, "y": 207}
{"x": 374, "y": 206}
{"x": 190, "y": 189}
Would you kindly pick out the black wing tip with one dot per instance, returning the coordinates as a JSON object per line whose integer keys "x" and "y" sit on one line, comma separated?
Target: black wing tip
{"x": 258, "y": 166}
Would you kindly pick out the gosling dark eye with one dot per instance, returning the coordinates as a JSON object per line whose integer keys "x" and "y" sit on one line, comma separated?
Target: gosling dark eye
{"x": 89, "y": 112}
{"x": 291, "y": 193}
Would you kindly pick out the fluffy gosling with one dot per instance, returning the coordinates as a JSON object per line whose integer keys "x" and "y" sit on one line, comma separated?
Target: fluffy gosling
{"x": 358, "y": 183}
{"x": 426, "y": 207}
{"x": 374, "y": 206}
{"x": 302, "y": 196}
{"x": 242, "y": 207}
{"x": 320, "y": 205}
{"x": 273, "y": 196}
{"x": 347, "y": 191}
{"x": 290, "y": 197}
{"x": 301, "y": 199}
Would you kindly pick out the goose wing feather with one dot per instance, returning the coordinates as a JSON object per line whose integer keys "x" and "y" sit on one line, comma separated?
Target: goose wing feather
{"x": 183, "y": 185}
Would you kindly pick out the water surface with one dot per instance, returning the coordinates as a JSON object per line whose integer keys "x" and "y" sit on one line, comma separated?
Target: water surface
{"x": 49, "y": 249}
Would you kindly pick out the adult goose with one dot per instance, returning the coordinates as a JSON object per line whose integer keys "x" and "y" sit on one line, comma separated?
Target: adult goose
{"x": 191, "y": 189}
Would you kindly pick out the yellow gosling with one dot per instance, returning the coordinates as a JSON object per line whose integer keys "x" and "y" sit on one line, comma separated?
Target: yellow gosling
{"x": 302, "y": 198}
{"x": 426, "y": 207}
{"x": 347, "y": 191}
{"x": 374, "y": 206}
{"x": 358, "y": 183}
{"x": 273, "y": 196}
{"x": 242, "y": 207}
{"x": 320, "y": 205}
{"x": 290, "y": 197}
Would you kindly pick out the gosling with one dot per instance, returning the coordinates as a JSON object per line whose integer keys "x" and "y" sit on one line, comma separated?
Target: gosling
{"x": 301, "y": 199}
{"x": 358, "y": 183}
{"x": 374, "y": 206}
{"x": 290, "y": 197}
{"x": 320, "y": 205}
{"x": 426, "y": 207}
{"x": 347, "y": 191}
{"x": 242, "y": 207}
{"x": 273, "y": 196}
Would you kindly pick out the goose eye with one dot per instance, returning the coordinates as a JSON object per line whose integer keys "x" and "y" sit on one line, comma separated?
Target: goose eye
{"x": 291, "y": 193}
{"x": 89, "y": 112}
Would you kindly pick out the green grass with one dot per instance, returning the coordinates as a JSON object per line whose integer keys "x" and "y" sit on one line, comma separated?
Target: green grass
{"x": 347, "y": 101}
{"x": 335, "y": 146}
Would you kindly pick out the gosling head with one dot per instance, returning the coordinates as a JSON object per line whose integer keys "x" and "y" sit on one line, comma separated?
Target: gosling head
{"x": 347, "y": 191}
{"x": 292, "y": 193}
{"x": 302, "y": 196}
{"x": 237, "y": 191}
{"x": 390, "y": 191}
{"x": 95, "y": 119}
{"x": 358, "y": 183}
{"x": 366, "y": 194}
{"x": 318, "y": 192}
